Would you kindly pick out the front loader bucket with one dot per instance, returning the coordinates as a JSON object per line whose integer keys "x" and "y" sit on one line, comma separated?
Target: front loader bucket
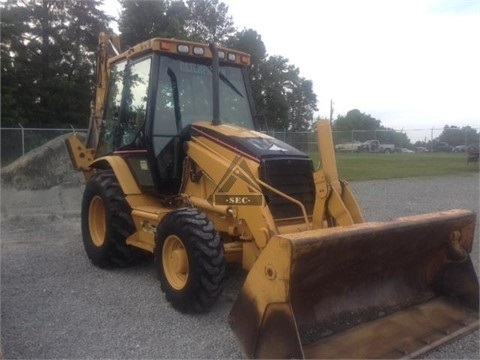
{"x": 373, "y": 290}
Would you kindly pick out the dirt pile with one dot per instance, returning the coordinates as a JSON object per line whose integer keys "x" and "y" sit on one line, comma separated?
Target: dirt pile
{"x": 46, "y": 166}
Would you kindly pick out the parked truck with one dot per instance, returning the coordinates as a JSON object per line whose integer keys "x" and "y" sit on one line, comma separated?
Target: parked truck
{"x": 374, "y": 146}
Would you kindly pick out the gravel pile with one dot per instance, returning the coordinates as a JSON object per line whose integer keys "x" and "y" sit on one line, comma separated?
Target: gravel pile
{"x": 46, "y": 166}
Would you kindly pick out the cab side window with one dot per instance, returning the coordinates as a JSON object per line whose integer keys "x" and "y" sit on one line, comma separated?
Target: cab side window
{"x": 126, "y": 107}
{"x": 133, "y": 114}
{"x": 114, "y": 98}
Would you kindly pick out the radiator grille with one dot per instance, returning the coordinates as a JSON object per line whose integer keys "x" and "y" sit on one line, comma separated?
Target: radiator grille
{"x": 293, "y": 177}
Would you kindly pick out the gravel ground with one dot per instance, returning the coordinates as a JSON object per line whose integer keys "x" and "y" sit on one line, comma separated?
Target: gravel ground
{"x": 55, "y": 304}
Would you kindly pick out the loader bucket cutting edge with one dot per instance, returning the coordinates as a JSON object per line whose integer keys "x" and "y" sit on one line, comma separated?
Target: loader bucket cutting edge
{"x": 373, "y": 290}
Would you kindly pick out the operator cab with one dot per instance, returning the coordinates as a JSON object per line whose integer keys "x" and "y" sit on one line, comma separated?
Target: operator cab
{"x": 152, "y": 100}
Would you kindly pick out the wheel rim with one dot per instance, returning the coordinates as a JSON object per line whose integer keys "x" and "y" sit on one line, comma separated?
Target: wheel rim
{"x": 96, "y": 221}
{"x": 175, "y": 262}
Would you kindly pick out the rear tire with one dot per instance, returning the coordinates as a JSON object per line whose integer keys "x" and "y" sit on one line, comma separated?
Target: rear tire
{"x": 107, "y": 223}
{"x": 190, "y": 262}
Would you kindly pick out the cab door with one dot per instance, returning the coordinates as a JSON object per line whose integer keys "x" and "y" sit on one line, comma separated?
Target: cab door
{"x": 126, "y": 114}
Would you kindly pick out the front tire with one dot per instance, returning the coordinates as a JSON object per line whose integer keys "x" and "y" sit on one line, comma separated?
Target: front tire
{"x": 106, "y": 222}
{"x": 190, "y": 262}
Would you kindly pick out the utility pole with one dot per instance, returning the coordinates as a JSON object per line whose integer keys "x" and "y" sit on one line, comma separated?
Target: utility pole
{"x": 331, "y": 112}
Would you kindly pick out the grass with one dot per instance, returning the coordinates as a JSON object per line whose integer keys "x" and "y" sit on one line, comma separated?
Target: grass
{"x": 354, "y": 167}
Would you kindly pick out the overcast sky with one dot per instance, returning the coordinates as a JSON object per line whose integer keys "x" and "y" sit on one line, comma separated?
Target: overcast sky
{"x": 413, "y": 64}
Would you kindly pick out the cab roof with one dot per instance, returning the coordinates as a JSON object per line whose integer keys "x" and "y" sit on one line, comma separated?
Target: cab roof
{"x": 183, "y": 48}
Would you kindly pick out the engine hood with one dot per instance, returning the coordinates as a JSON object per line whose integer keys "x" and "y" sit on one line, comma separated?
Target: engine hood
{"x": 249, "y": 142}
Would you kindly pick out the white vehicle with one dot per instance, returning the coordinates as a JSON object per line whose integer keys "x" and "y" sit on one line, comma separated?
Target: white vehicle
{"x": 374, "y": 146}
{"x": 348, "y": 147}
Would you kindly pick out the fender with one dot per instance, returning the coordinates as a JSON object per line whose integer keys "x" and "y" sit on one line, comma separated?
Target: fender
{"x": 122, "y": 173}
{"x": 82, "y": 160}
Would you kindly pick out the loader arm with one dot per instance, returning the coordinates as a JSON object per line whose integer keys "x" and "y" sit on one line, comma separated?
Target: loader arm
{"x": 335, "y": 203}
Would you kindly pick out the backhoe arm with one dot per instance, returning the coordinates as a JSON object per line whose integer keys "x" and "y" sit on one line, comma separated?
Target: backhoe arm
{"x": 82, "y": 153}
{"x": 108, "y": 46}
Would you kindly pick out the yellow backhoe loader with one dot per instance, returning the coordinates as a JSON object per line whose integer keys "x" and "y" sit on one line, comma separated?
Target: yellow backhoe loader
{"x": 175, "y": 166}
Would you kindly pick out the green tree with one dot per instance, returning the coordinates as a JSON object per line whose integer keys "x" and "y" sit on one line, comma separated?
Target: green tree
{"x": 195, "y": 20}
{"x": 361, "y": 127}
{"x": 48, "y": 52}
{"x": 281, "y": 95}
{"x": 143, "y": 20}
{"x": 249, "y": 41}
{"x": 11, "y": 28}
{"x": 289, "y": 99}
{"x": 456, "y": 136}
{"x": 356, "y": 120}
{"x": 301, "y": 101}
{"x": 209, "y": 21}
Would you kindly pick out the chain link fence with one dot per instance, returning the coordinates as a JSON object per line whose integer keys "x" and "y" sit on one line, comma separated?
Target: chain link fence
{"x": 16, "y": 142}
{"x": 303, "y": 141}
{"x": 409, "y": 139}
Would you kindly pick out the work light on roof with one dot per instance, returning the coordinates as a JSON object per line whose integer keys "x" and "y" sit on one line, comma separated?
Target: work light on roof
{"x": 183, "y": 49}
{"x": 232, "y": 57}
{"x": 198, "y": 50}
{"x": 221, "y": 54}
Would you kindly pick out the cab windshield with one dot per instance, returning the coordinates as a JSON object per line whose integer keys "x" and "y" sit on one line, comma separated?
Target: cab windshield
{"x": 185, "y": 96}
